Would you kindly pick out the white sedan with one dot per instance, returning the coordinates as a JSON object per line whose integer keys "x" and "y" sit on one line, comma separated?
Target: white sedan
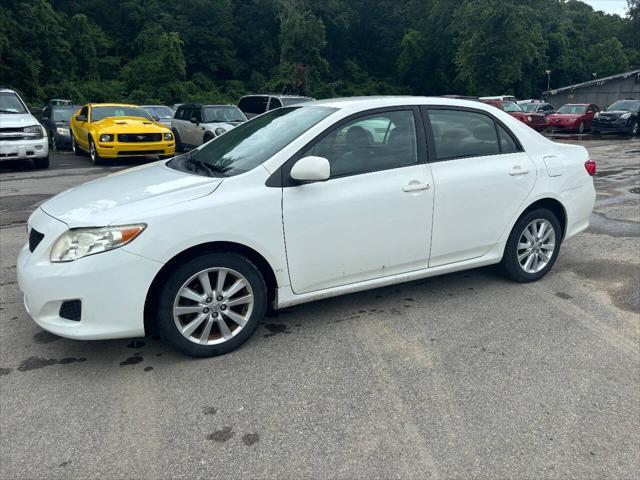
{"x": 298, "y": 204}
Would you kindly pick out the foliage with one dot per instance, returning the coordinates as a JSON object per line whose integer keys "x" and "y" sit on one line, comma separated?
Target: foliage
{"x": 170, "y": 51}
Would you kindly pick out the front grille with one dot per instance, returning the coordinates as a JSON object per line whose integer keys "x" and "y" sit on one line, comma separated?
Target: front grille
{"x": 139, "y": 137}
{"x": 132, "y": 153}
{"x": 537, "y": 120}
{"x": 17, "y": 133}
{"x": 71, "y": 310}
{"x": 35, "y": 237}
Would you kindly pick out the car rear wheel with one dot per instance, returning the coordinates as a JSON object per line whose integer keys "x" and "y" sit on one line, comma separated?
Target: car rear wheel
{"x": 74, "y": 146}
{"x": 533, "y": 246}
{"x": 211, "y": 304}
{"x": 93, "y": 153}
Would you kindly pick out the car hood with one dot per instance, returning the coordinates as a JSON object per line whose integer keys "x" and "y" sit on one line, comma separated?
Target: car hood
{"x": 16, "y": 120}
{"x": 613, "y": 113}
{"x": 127, "y": 195}
{"x": 130, "y": 125}
{"x": 565, "y": 116}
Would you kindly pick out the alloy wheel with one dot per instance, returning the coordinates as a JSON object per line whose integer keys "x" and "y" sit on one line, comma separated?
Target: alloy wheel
{"x": 536, "y": 246}
{"x": 92, "y": 151}
{"x": 213, "y": 306}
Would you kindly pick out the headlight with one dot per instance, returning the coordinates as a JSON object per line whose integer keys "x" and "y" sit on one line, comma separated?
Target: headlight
{"x": 80, "y": 242}
{"x": 625, "y": 115}
{"x": 62, "y": 131}
{"x": 34, "y": 129}
{"x": 168, "y": 136}
{"x": 219, "y": 131}
{"x": 106, "y": 137}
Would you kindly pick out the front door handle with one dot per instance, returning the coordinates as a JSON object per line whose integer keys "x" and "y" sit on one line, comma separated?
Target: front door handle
{"x": 518, "y": 170}
{"x": 414, "y": 187}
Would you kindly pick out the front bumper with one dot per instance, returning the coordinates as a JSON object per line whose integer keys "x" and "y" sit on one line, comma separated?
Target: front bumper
{"x": 62, "y": 140}
{"x": 120, "y": 149}
{"x": 24, "y": 149}
{"x": 112, "y": 287}
{"x": 620, "y": 125}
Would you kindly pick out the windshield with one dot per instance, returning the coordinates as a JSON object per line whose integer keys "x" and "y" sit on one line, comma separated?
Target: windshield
{"x": 293, "y": 100}
{"x": 628, "y": 105}
{"x": 572, "y": 109}
{"x": 529, "y": 107}
{"x": 62, "y": 114}
{"x": 10, "y": 103}
{"x": 160, "y": 111}
{"x": 510, "y": 107}
{"x": 227, "y": 113}
{"x": 100, "y": 113}
{"x": 251, "y": 143}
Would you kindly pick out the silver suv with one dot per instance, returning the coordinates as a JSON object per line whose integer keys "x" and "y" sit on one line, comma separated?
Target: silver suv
{"x": 22, "y": 137}
{"x": 195, "y": 124}
{"x": 253, "y": 105}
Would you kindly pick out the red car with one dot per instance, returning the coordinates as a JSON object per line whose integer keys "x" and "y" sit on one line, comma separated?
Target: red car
{"x": 575, "y": 117}
{"x": 537, "y": 121}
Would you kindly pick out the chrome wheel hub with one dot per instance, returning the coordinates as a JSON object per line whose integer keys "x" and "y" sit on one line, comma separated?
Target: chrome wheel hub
{"x": 213, "y": 306}
{"x": 536, "y": 246}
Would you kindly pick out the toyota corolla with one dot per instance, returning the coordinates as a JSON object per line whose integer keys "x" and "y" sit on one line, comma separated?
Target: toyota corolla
{"x": 301, "y": 203}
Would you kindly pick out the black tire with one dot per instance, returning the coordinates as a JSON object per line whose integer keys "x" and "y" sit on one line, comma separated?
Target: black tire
{"x": 166, "y": 325}
{"x": 52, "y": 143}
{"x": 41, "y": 163}
{"x": 179, "y": 146}
{"x": 595, "y": 132}
{"x": 207, "y": 137}
{"x": 75, "y": 148}
{"x": 634, "y": 128}
{"x": 93, "y": 153}
{"x": 581, "y": 127}
{"x": 510, "y": 265}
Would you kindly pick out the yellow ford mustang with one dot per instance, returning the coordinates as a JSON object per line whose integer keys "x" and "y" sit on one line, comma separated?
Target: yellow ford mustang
{"x": 109, "y": 131}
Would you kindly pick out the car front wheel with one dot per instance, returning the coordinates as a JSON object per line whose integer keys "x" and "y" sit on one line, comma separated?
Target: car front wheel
{"x": 211, "y": 304}
{"x": 93, "y": 153}
{"x": 634, "y": 128}
{"x": 533, "y": 246}
{"x": 74, "y": 146}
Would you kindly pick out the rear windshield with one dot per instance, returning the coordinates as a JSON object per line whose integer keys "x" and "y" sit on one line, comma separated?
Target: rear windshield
{"x": 62, "y": 114}
{"x": 628, "y": 105}
{"x": 10, "y": 103}
{"x": 251, "y": 143}
{"x": 293, "y": 100}
{"x": 572, "y": 109}
{"x": 100, "y": 113}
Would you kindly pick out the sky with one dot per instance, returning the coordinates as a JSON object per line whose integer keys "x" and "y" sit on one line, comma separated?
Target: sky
{"x": 609, "y": 6}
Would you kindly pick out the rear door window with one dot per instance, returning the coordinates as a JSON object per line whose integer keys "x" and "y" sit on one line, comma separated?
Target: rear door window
{"x": 274, "y": 103}
{"x": 461, "y": 133}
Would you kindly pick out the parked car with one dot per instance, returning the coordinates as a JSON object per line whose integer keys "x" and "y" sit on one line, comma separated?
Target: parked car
{"x": 537, "y": 121}
{"x": 252, "y": 105}
{"x": 175, "y": 106}
{"x": 107, "y": 131}
{"x": 22, "y": 137}
{"x": 575, "y": 117}
{"x": 620, "y": 116}
{"x": 537, "y": 107}
{"x": 298, "y": 204}
{"x": 160, "y": 113}
{"x": 55, "y": 119}
{"x": 195, "y": 124}
{"x": 502, "y": 98}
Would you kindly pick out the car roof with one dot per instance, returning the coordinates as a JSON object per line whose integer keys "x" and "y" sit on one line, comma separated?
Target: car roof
{"x": 274, "y": 95}
{"x": 391, "y": 101}
{"x": 578, "y": 104}
{"x": 111, "y": 105}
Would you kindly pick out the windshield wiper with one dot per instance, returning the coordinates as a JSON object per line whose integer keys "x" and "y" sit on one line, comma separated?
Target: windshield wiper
{"x": 8, "y": 111}
{"x": 208, "y": 167}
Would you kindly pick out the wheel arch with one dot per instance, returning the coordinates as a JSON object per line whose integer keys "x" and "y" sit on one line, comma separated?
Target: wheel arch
{"x": 210, "y": 247}
{"x": 550, "y": 203}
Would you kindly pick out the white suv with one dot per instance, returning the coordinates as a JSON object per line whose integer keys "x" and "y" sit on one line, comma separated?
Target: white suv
{"x": 21, "y": 135}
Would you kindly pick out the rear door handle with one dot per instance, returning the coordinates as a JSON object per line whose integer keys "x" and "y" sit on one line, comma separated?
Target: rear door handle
{"x": 517, "y": 170}
{"x": 414, "y": 187}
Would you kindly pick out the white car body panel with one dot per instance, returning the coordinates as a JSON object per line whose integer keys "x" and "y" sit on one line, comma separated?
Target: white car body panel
{"x": 320, "y": 239}
{"x": 24, "y": 148}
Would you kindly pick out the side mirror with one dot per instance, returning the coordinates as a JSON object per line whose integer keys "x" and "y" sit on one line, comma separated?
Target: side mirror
{"x": 81, "y": 118}
{"x": 311, "y": 169}
{"x": 194, "y": 120}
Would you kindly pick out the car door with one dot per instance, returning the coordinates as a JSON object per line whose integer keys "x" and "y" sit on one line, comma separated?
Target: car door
{"x": 372, "y": 218}
{"x": 481, "y": 178}
{"x": 191, "y": 126}
{"x": 590, "y": 113}
{"x": 82, "y": 128}
{"x": 179, "y": 121}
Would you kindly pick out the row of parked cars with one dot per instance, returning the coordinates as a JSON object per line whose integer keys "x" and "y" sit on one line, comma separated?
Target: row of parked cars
{"x": 621, "y": 116}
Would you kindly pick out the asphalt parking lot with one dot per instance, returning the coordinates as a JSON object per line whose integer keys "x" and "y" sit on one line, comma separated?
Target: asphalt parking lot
{"x": 462, "y": 376}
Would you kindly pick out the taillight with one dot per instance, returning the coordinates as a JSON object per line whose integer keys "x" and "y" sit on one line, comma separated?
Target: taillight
{"x": 590, "y": 165}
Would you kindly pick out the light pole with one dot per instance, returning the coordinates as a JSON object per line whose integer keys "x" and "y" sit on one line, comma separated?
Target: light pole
{"x": 548, "y": 72}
